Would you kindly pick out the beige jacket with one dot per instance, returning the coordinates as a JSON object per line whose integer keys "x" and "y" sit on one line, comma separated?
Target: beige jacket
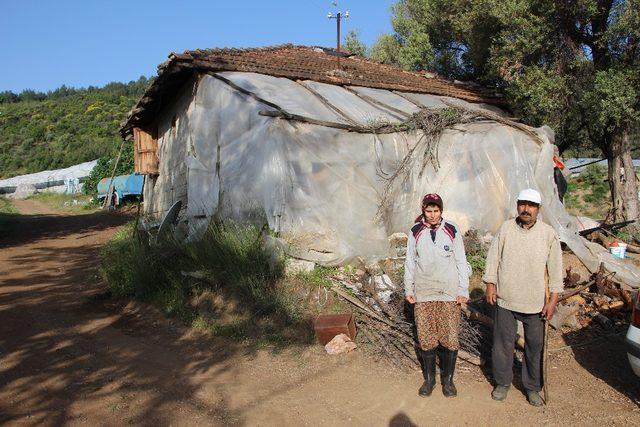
{"x": 517, "y": 262}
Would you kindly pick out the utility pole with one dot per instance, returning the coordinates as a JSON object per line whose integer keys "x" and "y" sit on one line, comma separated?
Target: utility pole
{"x": 338, "y": 16}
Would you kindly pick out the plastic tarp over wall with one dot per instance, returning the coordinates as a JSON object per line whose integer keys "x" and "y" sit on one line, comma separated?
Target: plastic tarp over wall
{"x": 60, "y": 180}
{"x": 322, "y": 187}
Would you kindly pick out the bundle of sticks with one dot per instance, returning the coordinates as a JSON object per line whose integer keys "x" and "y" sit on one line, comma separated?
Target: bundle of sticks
{"x": 389, "y": 328}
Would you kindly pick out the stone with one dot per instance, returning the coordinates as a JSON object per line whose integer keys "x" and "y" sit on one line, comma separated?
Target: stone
{"x": 373, "y": 269}
{"x": 340, "y": 344}
{"x": 398, "y": 239}
{"x": 563, "y": 316}
{"x": 487, "y": 238}
{"x": 383, "y": 282}
{"x": 398, "y": 245}
{"x": 23, "y": 191}
{"x": 294, "y": 266}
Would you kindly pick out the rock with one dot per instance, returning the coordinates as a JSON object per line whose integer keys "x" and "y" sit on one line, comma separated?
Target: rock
{"x": 394, "y": 268}
{"x": 565, "y": 315}
{"x": 340, "y": 344}
{"x": 383, "y": 282}
{"x": 373, "y": 269}
{"x": 23, "y": 191}
{"x": 398, "y": 245}
{"x": 274, "y": 247}
{"x": 487, "y": 238}
{"x": 294, "y": 266}
{"x": 398, "y": 239}
{"x": 360, "y": 274}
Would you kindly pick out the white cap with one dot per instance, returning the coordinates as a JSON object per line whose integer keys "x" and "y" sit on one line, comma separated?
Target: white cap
{"x": 530, "y": 195}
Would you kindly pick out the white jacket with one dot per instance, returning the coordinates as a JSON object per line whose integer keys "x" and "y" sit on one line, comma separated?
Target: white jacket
{"x": 436, "y": 271}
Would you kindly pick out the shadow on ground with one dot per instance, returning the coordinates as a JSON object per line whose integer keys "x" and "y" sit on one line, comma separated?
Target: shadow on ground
{"x": 65, "y": 352}
{"x": 602, "y": 353}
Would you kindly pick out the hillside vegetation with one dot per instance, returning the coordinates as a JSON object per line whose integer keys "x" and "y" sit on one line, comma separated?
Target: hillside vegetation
{"x": 67, "y": 126}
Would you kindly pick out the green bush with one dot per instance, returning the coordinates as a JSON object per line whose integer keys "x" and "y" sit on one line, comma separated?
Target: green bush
{"x": 230, "y": 256}
{"x": 64, "y": 127}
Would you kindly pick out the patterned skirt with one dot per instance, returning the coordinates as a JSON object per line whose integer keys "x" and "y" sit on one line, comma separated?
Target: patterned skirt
{"x": 437, "y": 322}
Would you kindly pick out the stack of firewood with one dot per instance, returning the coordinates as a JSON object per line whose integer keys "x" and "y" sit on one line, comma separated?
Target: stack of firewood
{"x": 599, "y": 299}
{"x": 385, "y": 320}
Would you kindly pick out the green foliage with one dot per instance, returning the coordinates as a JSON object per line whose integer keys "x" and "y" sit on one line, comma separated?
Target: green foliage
{"x": 386, "y": 50}
{"x": 229, "y": 260}
{"x": 64, "y": 127}
{"x": 6, "y": 207}
{"x": 588, "y": 194}
{"x": 353, "y": 43}
{"x": 572, "y": 65}
{"x": 104, "y": 168}
{"x": 72, "y": 203}
{"x": 318, "y": 277}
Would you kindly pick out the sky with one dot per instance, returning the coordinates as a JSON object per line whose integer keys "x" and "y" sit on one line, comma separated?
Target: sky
{"x": 45, "y": 44}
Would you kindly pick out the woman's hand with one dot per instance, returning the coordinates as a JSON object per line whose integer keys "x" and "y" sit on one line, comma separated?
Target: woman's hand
{"x": 461, "y": 300}
{"x": 410, "y": 299}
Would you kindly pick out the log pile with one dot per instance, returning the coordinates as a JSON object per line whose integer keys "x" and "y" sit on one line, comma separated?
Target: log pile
{"x": 599, "y": 299}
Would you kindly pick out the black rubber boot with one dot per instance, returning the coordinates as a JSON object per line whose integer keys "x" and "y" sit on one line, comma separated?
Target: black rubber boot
{"x": 428, "y": 372}
{"x": 448, "y": 360}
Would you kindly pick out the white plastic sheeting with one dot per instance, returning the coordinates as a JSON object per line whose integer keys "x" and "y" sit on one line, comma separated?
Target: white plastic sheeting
{"x": 321, "y": 187}
{"x": 61, "y": 180}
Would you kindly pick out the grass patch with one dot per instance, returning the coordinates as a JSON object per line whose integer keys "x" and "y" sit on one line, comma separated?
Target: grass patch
{"x": 233, "y": 287}
{"x": 6, "y": 207}
{"x": 588, "y": 194}
{"x": 8, "y": 212}
{"x": 71, "y": 203}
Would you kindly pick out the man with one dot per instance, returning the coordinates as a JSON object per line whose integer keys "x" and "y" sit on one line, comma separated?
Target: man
{"x": 523, "y": 253}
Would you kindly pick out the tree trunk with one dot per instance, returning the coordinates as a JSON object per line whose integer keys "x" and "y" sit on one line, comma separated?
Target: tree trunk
{"x": 622, "y": 177}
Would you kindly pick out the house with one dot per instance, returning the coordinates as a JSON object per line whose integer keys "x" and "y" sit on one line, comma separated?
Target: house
{"x": 327, "y": 149}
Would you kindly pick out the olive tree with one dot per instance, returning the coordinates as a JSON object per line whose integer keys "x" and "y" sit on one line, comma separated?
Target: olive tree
{"x": 572, "y": 64}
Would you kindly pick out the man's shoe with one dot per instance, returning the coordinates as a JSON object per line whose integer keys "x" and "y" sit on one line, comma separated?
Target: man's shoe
{"x": 448, "y": 366}
{"x": 499, "y": 392}
{"x": 534, "y": 398}
{"x": 428, "y": 372}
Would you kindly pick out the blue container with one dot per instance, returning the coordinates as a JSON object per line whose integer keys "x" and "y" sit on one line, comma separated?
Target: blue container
{"x": 124, "y": 185}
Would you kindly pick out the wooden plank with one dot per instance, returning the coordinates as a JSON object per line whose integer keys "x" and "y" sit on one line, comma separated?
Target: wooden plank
{"x": 145, "y": 155}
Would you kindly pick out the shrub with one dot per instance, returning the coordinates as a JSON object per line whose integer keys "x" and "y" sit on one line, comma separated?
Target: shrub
{"x": 230, "y": 259}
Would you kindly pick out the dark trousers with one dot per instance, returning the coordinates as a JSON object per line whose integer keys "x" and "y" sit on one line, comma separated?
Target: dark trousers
{"x": 504, "y": 338}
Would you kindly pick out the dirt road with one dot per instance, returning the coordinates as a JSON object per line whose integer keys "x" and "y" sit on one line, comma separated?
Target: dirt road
{"x": 69, "y": 356}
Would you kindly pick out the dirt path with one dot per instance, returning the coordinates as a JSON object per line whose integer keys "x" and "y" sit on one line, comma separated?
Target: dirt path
{"x": 69, "y": 357}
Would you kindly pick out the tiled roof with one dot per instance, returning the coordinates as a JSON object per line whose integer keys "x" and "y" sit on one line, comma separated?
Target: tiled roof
{"x": 297, "y": 63}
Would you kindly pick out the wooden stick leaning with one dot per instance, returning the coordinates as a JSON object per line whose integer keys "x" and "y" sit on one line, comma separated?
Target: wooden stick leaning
{"x": 545, "y": 352}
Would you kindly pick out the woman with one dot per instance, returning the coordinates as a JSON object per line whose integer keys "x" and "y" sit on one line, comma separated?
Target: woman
{"x": 436, "y": 280}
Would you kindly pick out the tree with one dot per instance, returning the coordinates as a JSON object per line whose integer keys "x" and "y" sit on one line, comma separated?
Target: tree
{"x": 353, "y": 44}
{"x": 573, "y": 64}
{"x": 386, "y": 49}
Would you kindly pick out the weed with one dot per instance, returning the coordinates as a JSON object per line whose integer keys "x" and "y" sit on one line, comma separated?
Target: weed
{"x": 231, "y": 262}
{"x": 318, "y": 277}
{"x": 588, "y": 193}
{"x": 72, "y": 203}
{"x": 6, "y": 207}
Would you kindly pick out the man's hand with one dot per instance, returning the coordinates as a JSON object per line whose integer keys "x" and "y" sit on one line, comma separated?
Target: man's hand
{"x": 491, "y": 294}
{"x": 549, "y": 308}
{"x": 461, "y": 300}
{"x": 410, "y": 299}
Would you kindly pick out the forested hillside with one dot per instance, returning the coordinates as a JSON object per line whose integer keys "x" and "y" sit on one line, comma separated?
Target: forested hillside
{"x": 64, "y": 127}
